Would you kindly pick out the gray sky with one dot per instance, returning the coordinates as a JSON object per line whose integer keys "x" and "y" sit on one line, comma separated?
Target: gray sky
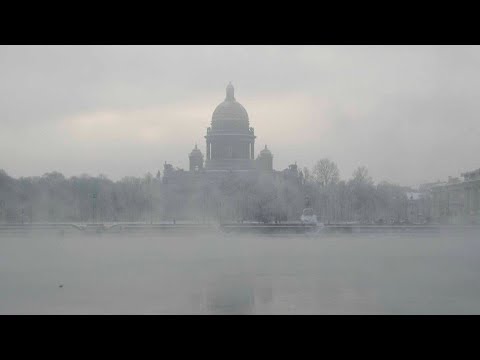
{"x": 409, "y": 113}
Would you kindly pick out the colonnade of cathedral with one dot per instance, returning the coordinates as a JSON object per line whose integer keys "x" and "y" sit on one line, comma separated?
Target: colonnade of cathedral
{"x": 247, "y": 151}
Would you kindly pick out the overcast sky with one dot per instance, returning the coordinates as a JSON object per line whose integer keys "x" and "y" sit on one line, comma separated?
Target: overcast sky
{"x": 408, "y": 113}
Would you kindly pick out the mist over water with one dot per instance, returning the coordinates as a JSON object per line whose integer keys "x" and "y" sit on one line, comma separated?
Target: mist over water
{"x": 240, "y": 274}
{"x": 239, "y": 180}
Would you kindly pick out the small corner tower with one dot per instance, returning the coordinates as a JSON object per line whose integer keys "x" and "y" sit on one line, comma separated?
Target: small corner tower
{"x": 196, "y": 159}
{"x": 265, "y": 160}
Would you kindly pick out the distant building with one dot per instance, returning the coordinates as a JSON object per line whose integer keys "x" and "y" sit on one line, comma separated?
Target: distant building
{"x": 230, "y": 148}
{"x": 419, "y": 205}
{"x": 457, "y": 201}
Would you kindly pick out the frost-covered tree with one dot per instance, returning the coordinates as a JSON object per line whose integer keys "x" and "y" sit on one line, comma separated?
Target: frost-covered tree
{"x": 325, "y": 172}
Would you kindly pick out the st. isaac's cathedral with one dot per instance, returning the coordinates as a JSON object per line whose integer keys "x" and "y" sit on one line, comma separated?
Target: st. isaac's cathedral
{"x": 230, "y": 146}
{"x": 229, "y": 183}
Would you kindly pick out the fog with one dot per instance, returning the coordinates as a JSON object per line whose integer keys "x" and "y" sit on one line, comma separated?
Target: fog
{"x": 234, "y": 274}
{"x": 408, "y": 113}
{"x": 239, "y": 179}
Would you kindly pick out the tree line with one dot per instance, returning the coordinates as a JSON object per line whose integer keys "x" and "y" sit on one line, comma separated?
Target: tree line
{"x": 276, "y": 197}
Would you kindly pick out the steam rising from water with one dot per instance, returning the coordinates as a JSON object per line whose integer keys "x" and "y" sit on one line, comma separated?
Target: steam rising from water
{"x": 229, "y": 274}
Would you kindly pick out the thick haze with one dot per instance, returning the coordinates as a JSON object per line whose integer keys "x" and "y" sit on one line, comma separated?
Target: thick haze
{"x": 409, "y": 113}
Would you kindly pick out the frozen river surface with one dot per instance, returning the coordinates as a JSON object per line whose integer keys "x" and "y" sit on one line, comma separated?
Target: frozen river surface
{"x": 226, "y": 274}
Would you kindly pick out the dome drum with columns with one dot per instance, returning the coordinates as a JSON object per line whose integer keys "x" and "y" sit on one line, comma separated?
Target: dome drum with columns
{"x": 230, "y": 141}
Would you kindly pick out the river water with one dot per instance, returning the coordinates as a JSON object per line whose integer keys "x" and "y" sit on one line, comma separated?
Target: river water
{"x": 235, "y": 274}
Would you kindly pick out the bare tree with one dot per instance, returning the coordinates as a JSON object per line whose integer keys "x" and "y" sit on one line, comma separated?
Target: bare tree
{"x": 325, "y": 172}
{"x": 363, "y": 194}
{"x": 360, "y": 175}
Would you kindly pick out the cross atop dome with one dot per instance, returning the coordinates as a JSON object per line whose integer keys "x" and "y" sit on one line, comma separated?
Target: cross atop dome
{"x": 230, "y": 92}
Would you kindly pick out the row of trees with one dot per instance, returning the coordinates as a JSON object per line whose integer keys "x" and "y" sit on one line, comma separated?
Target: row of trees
{"x": 267, "y": 197}
{"x": 357, "y": 199}
{"x": 55, "y": 198}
